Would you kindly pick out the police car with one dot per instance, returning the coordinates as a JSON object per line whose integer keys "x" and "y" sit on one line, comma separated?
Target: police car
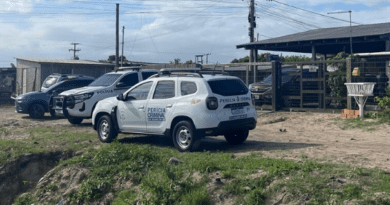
{"x": 78, "y": 104}
{"x": 185, "y": 106}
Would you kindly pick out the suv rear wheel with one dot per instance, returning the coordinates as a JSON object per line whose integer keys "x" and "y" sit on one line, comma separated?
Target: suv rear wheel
{"x": 105, "y": 129}
{"x": 75, "y": 120}
{"x": 184, "y": 137}
{"x": 36, "y": 111}
{"x": 237, "y": 136}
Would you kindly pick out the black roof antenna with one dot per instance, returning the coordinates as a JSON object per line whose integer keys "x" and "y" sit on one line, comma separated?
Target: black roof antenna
{"x": 214, "y": 68}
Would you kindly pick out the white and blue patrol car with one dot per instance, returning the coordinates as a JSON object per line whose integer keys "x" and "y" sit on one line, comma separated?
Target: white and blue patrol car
{"x": 186, "y": 106}
{"x": 78, "y": 104}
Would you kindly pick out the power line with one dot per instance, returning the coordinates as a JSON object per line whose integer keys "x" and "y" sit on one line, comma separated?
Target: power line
{"x": 313, "y": 12}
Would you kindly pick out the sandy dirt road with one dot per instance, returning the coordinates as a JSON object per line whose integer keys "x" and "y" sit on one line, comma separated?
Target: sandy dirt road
{"x": 306, "y": 135}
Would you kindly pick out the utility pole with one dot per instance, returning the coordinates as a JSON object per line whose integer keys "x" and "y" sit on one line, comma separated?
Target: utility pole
{"x": 207, "y": 57}
{"x": 117, "y": 39}
{"x": 123, "y": 43}
{"x": 74, "y": 50}
{"x": 350, "y": 25}
{"x": 252, "y": 26}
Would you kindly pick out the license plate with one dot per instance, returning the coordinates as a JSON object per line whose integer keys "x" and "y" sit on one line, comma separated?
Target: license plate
{"x": 257, "y": 97}
{"x": 238, "y": 111}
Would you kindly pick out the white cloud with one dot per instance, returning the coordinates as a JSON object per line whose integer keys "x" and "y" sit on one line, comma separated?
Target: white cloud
{"x": 19, "y": 6}
{"x": 170, "y": 29}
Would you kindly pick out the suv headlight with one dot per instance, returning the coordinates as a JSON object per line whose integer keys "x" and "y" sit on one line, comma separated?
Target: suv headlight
{"x": 82, "y": 97}
{"x": 19, "y": 99}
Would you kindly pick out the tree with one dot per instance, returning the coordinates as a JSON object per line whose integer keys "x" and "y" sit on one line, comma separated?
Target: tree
{"x": 111, "y": 58}
{"x": 263, "y": 57}
{"x": 177, "y": 61}
{"x": 189, "y": 62}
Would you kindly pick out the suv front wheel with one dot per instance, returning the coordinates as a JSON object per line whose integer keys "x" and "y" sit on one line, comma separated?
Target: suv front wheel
{"x": 235, "y": 137}
{"x": 75, "y": 120}
{"x": 105, "y": 129}
{"x": 184, "y": 137}
{"x": 36, "y": 111}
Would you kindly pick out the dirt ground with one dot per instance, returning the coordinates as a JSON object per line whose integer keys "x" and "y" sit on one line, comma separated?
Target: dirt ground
{"x": 301, "y": 135}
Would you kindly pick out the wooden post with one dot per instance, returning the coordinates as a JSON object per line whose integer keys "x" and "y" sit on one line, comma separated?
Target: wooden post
{"x": 275, "y": 85}
{"x": 348, "y": 76}
{"x": 255, "y": 67}
{"x": 324, "y": 71}
{"x": 301, "y": 86}
{"x": 313, "y": 53}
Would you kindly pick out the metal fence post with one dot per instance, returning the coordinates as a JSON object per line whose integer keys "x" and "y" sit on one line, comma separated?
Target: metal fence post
{"x": 348, "y": 76}
{"x": 247, "y": 75}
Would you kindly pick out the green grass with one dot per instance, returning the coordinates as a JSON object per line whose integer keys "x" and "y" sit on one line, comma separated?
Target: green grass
{"x": 154, "y": 181}
{"x": 362, "y": 123}
{"x": 45, "y": 139}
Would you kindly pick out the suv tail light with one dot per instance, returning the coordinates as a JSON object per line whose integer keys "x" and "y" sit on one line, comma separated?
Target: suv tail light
{"x": 212, "y": 103}
{"x": 253, "y": 99}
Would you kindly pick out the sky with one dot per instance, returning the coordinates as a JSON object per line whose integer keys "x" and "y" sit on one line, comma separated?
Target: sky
{"x": 160, "y": 31}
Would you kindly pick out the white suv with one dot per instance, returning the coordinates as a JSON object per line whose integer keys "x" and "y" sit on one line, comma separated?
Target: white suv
{"x": 186, "y": 106}
{"x": 78, "y": 104}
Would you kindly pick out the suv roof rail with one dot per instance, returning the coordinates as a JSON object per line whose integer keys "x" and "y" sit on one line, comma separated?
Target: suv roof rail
{"x": 134, "y": 68}
{"x": 211, "y": 72}
{"x": 164, "y": 72}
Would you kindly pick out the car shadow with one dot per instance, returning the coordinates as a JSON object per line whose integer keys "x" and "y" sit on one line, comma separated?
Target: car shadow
{"x": 219, "y": 144}
{"x": 83, "y": 124}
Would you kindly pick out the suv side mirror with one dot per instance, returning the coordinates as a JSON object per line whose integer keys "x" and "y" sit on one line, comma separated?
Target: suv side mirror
{"x": 120, "y": 85}
{"x": 129, "y": 98}
{"x": 120, "y": 97}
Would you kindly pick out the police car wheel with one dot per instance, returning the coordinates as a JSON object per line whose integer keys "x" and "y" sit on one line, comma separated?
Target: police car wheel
{"x": 36, "y": 111}
{"x": 105, "y": 129}
{"x": 238, "y": 136}
{"x": 184, "y": 137}
{"x": 75, "y": 120}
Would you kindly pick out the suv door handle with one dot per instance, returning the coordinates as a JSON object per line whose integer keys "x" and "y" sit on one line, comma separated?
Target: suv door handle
{"x": 141, "y": 107}
{"x": 169, "y": 105}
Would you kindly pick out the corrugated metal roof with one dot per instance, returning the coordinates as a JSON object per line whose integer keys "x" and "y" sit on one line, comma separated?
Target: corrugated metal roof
{"x": 387, "y": 53}
{"x": 65, "y": 61}
{"x": 329, "y": 33}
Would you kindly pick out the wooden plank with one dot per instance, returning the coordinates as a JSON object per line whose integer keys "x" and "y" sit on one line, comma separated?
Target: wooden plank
{"x": 312, "y": 79}
{"x": 311, "y": 104}
{"x": 336, "y": 98}
{"x": 292, "y": 97}
{"x": 312, "y": 91}
{"x": 329, "y": 73}
{"x": 314, "y": 62}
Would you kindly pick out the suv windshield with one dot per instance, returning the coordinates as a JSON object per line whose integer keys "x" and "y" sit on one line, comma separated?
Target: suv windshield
{"x": 228, "y": 87}
{"x": 105, "y": 80}
{"x": 51, "y": 80}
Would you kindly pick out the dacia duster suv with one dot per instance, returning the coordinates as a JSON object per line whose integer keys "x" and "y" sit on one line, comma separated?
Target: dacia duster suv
{"x": 185, "y": 106}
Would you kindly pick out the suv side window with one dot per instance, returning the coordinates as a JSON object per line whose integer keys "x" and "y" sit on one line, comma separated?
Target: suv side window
{"x": 130, "y": 80}
{"x": 140, "y": 92}
{"x": 146, "y": 75}
{"x": 61, "y": 87}
{"x": 164, "y": 90}
{"x": 188, "y": 88}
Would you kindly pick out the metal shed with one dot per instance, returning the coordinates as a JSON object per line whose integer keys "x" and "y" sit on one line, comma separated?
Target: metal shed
{"x": 31, "y": 72}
